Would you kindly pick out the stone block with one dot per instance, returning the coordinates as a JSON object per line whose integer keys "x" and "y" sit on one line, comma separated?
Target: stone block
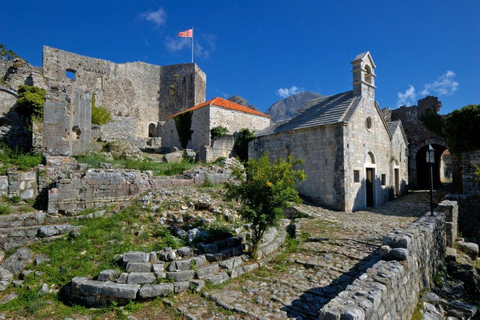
{"x": 156, "y": 290}
{"x": 180, "y": 265}
{"x": 231, "y": 263}
{"x": 218, "y": 278}
{"x": 181, "y": 275}
{"x": 158, "y": 267}
{"x": 470, "y": 248}
{"x": 138, "y": 267}
{"x": 207, "y": 271}
{"x": 122, "y": 278}
{"x": 199, "y": 261}
{"x": 141, "y": 277}
{"x": 107, "y": 275}
{"x": 181, "y": 286}
{"x": 136, "y": 256}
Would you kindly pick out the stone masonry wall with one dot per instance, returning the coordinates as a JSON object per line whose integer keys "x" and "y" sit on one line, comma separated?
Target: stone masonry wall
{"x": 322, "y": 149}
{"x": 469, "y": 160}
{"x": 359, "y": 142}
{"x": 390, "y": 289}
{"x": 19, "y": 183}
{"x": 469, "y": 215}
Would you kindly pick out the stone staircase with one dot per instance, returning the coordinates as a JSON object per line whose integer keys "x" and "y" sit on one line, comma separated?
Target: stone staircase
{"x": 150, "y": 274}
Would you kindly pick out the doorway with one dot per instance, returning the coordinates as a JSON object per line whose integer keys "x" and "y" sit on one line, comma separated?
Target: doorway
{"x": 369, "y": 186}
{"x": 397, "y": 182}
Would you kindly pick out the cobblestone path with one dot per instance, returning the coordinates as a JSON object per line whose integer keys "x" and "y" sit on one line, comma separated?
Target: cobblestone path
{"x": 295, "y": 285}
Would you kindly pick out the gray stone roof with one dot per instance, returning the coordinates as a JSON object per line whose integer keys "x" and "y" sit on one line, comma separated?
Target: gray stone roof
{"x": 317, "y": 112}
{"x": 393, "y": 125}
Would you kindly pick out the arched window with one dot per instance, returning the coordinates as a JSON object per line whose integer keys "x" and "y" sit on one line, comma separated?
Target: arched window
{"x": 368, "y": 74}
{"x": 151, "y": 130}
{"x": 370, "y": 158}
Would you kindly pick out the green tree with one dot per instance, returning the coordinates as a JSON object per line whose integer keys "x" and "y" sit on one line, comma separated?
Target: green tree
{"x": 6, "y": 54}
{"x": 461, "y": 129}
{"x": 265, "y": 191}
{"x": 240, "y": 147}
{"x": 432, "y": 121}
{"x": 30, "y": 101}
{"x": 183, "y": 123}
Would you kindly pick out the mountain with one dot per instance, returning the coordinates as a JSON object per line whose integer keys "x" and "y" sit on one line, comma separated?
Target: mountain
{"x": 284, "y": 109}
{"x": 243, "y": 102}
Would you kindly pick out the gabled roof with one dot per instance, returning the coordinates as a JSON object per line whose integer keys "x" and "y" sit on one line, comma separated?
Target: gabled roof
{"x": 362, "y": 56}
{"x": 397, "y": 125}
{"x": 318, "y": 112}
{"x": 227, "y": 104}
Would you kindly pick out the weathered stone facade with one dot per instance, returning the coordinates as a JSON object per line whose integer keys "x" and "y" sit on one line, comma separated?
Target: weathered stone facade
{"x": 353, "y": 158}
{"x": 146, "y": 92}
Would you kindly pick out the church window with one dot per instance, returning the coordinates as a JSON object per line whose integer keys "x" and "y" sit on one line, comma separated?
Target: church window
{"x": 356, "y": 175}
{"x": 369, "y": 123}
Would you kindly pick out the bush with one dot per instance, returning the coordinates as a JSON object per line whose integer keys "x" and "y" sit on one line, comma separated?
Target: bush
{"x": 15, "y": 157}
{"x": 461, "y": 129}
{"x": 100, "y": 115}
{"x": 218, "y": 132}
{"x": 266, "y": 191}
{"x": 240, "y": 148}
{"x": 6, "y": 54}
{"x": 30, "y": 101}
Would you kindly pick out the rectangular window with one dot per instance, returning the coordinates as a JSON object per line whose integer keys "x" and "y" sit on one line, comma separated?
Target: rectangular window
{"x": 356, "y": 175}
{"x": 384, "y": 179}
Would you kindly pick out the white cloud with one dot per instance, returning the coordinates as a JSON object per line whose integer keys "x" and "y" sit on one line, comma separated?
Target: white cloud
{"x": 407, "y": 98}
{"x": 177, "y": 44}
{"x": 285, "y": 93}
{"x": 207, "y": 46}
{"x": 159, "y": 17}
{"x": 225, "y": 95}
{"x": 444, "y": 85}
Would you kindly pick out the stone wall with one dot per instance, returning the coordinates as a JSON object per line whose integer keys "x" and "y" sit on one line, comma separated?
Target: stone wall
{"x": 145, "y": 92}
{"x": 322, "y": 148}
{"x": 222, "y": 147}
{"x": 469, "y": 160}
{"x": 399, "y": 159}
{"x": 67, "y": 121}
{"x": 19, "y": 183}
{"x": 469, "y": 215}
{"x": 390, "y": 289}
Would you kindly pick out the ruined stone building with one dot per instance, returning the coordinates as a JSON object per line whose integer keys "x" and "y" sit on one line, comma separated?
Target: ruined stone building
{"x": 216, "y": 112}
{"x": 353, "y": 158}
{"x": 419, "y": 137}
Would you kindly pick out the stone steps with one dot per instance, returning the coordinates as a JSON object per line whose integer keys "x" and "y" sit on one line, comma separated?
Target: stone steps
{"x": 148, "y": 277}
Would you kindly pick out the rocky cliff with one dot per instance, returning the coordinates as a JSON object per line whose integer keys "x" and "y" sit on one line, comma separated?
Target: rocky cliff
{"x": 284, "y": 109}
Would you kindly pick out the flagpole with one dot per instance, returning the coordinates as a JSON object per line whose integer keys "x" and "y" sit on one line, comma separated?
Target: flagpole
{"x": 192, "y": 44}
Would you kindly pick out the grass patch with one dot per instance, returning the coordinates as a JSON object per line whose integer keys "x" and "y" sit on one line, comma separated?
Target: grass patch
{"x": 159, "y": 169}
{"x": 5, "y": 208}
{"x": 17, "y": 158}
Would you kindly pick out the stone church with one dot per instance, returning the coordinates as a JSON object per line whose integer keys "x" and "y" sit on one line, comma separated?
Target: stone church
{"x": 354, "y": 159}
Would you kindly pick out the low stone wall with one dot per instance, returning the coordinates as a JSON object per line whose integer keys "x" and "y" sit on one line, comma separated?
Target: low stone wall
{"x": 221, "y": 147}
{"x": 469, "y": 215}
{"x": 390, "y": 289}
{"x": 19, "y": 183}
{"x": 98, "y": 187}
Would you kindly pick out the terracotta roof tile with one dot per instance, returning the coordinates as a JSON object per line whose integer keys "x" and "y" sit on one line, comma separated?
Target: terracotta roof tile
{"x": 227, "y": 104}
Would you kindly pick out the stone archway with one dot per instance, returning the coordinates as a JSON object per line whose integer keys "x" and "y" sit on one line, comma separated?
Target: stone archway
{"x": 422, "y": 169}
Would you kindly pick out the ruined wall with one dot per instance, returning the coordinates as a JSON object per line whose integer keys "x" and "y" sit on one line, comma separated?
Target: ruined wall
{"x": 469, "y": 161}
{"x": 221, "y": 147}
{"x": 137, "y": 90}
{"x": 322, "y": 149}
{"x": 169, "y": 135}
{"x": 67, "y": 121}
{"x": 359, "y": 141}
{"x": 391, "y": 288}
{"x": 19, "y": 183}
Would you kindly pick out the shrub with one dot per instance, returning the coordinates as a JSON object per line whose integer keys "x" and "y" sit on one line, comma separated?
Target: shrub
{"x": 240, "y": 148}
{"x": 100, "y": 115}
{"x": 5, "y": 208}
{"x": 218, "y": 132}
{"x": 30, "y": 101}
{"x": 6, "y": 54}
{"x": 15, "y": 157}
{"x": 461, "y": 129}
{"x": 266, "y": 191}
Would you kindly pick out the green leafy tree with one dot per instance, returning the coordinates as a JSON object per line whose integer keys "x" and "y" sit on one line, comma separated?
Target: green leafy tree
{"x": 461, "y": 129}
{"x": 30, "y": 101}
{"x": 240, "y": 147}
{"x": 6, "y": 54}
{"x": 265, "y": 191}
{"x": 100, "y": 115}
{"x": 432, "y": 121}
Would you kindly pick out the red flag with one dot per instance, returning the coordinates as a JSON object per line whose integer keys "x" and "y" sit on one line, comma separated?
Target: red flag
{"x": 188, "y": 33}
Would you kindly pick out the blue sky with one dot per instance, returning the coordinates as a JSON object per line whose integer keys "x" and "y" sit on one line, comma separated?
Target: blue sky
{"x": 265, "y": 50}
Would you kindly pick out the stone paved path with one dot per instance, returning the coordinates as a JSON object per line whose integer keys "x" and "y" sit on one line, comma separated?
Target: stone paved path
{"x": 296, "y": 285}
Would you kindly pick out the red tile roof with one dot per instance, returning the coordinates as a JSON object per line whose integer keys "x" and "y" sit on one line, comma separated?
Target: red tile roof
{"x": 227, "y": 104}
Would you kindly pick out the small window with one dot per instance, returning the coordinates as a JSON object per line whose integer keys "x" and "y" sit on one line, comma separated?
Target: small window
{"x": 71, "y": 74}
{"x": 369, "y": 123}
{"x": 384, "y": 179}
{"x": 356, "y": 175}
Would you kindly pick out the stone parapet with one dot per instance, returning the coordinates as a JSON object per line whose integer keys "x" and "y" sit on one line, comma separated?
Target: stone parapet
{"x": 390, "y": 289}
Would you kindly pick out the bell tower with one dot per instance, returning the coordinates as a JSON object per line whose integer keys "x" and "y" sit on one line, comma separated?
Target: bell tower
{"x": 364, "y": 76}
